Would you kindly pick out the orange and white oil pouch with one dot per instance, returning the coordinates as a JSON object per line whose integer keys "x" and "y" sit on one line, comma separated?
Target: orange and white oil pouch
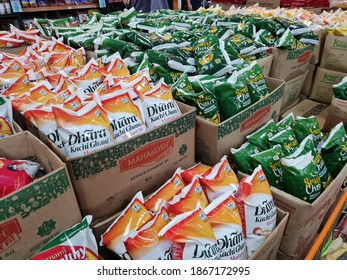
{"x": 132, "y": 217}
{"x": 140, "y": 85}
{"x": 257, "y": 209}
{"x": 159, "y": 106}
{"x": 38, "y": 94}
{"x": 21, "y": 85}
{"x": 192, "y": 236}
{"x": 116, "y": 67}
{"x": 198, "y": 169}
{"x": 187, "y": 198}
{"x": 124, "y": 114}
{"x": 45, "y": 121}
{"x": 11, "y": 73}
{"x": 145, "y": 244}
{"x": 84, "y": 131}
{"x": 227, "y": 226}
{"x": 165, "y": 192}
{"x": 75, "y": 243}
{"x": 6, "y": 118}
{"x": 219, "y": 179}
{"x": 10, "y": 42}
{"x": 90, "y": 78}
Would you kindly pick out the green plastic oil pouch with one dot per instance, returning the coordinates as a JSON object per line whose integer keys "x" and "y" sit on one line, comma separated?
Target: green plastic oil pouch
{"x": 242, "y": 157}
{"x": 301, "y": 178}
{"x": 256, "y": 83}
{"x": 340, "y": 89}
{"x": 265, "y": 37}
{"x": 307, "y": 145}
{"x": 182, "y": 84}
{"x": 205, "y": 103}
{"x": 306, "y": 126}
{"x": 288, "y": 41}
{"x": 170, "y": 76}
{"x": 287, "y": 139}
{"x": 233, "y": 96}
{"x": 260, "y": 137}
{"x": 334, "y": 150}
{"x": 287, "y": 121}
{"x": 271, "y": 165}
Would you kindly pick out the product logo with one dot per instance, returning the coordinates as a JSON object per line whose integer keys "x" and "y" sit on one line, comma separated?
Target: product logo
{"x": 148, "y": 155}
{"x": 46, "y": 228}
{"x": 9, "y": 234}
{"x": 304, "y": 57}
{"x": 255, "y": 119}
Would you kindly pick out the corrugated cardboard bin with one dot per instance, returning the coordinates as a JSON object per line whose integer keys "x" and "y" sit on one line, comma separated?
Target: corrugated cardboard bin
{"x": 31, "y": 216}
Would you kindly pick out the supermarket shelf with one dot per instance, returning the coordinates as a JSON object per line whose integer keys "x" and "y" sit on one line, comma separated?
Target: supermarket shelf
{"x": 59, "y": 8}
{"x": 14, "y": 15}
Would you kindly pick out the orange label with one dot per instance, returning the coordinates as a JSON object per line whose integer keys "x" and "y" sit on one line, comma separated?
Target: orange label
{"x": 255, "y": 119}
{"x": 148, "y": 155}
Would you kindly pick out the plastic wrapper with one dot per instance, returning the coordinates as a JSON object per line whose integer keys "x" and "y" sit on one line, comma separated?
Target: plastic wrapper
{"x": 132, "y": 217}
{"x": 242, "y": 156}
{"x": 6, "y": 118}
{"x": 257, "y": 209}
{"x": 219, "y": 179}
{"x": 226, "y": 223}
{"x": 301, "y": 178}
{"x": 192, "y": 236}
{"x": 75, "y": 243}
{"x": 16, "y": 174}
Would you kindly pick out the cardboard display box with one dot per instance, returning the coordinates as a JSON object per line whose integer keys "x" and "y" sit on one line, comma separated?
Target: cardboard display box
{"x": 292, "y": 90}
{"x": 307, "y": 108}
{"x": 337, "y": 113}
{"x": 322, "y": 89}
{"x": 307, "y": 86}
{"x": 318, "y": 49}
{"x": 288, "y": 64}
{"x": 33, "y": 215}
{"x": 305, "y": 219}
{"x": 265, "y": 64}
{"x": 106, "y": 180}
{"x": 266, "y": 251}
{"x": 215, "y": 140}
{"x": 334, "y": 54}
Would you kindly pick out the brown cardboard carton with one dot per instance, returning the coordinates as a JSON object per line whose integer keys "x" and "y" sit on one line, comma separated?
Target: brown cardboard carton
{"x": 266, "y": 251}
{"x": 265, "y": 64}
{"x": 307, "y": 86}
{"x": 15, "y": 50}
{"x": 318, "y": 49}
{"x": 288, "y": 64}
{"x": 106, "y": 180}
{"x": 213, "y": 141}
{"x": 292, "y": 90}
{"x": 322, "y": 89}
{"x": 265, "y": 3}
{"x": 337, "y": 113}
{"x": 334, "y": 54}
{"x": 33, "y": 215}
{"x": 305, "y": 219}
{"x": 307, "y": 108}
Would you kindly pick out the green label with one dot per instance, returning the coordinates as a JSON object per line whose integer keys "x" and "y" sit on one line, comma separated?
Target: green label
{"x": 46, "y": 228}
{"x": 107, "y": 158}
{"x": 232, "y": 124}
{"x": 339, "y": 44}
{"x": 32, "y": 198}
{"x": 294, "y": 54}
{"x": 331, "y": 79}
